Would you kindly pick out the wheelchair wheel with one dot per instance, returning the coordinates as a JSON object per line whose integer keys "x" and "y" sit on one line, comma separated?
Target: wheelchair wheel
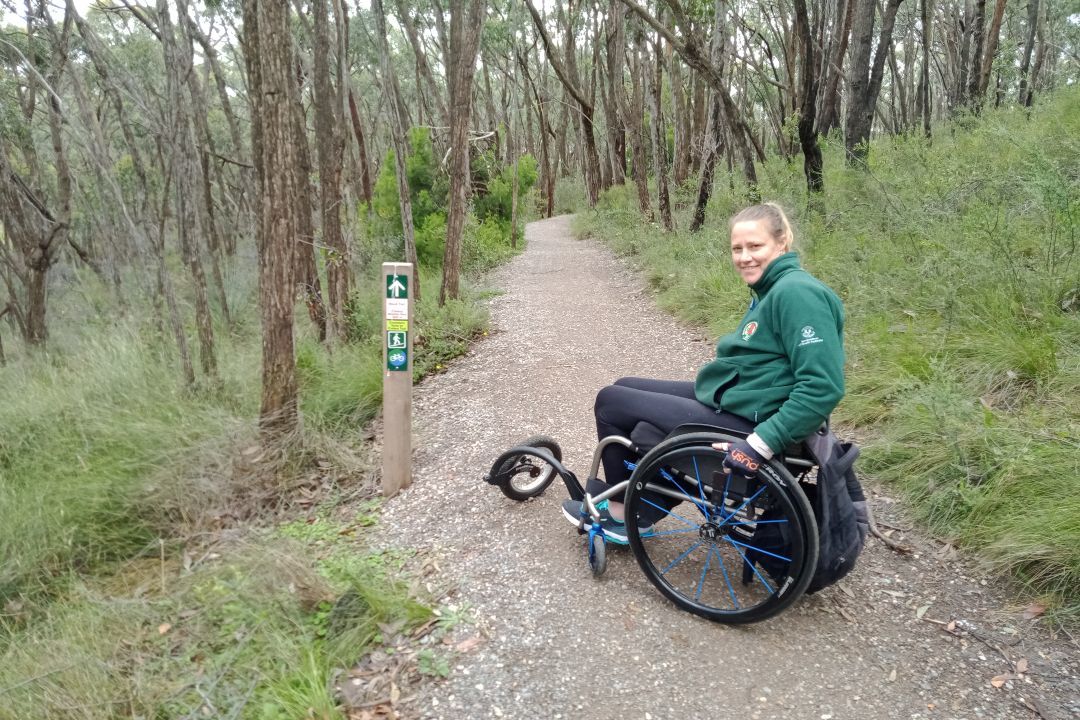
{"x": 597, "y": 555}
{"x": 524, "y": 476}
{"x": 726, "y": 548}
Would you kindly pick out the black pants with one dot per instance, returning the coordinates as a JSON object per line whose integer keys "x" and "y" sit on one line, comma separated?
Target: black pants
{"x": 664, "y": 404}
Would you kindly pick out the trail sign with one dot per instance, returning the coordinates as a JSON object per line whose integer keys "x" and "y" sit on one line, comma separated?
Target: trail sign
{"x": 397, "y": 379}
{"x": 397, "y": 286}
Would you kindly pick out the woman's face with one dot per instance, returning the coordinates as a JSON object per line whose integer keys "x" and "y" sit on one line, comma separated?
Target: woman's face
{"x": 752, "y": 249}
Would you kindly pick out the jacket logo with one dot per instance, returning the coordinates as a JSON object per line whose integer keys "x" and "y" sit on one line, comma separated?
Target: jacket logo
{"x": 809, "y": 336}
{"x": 749, "y": 330}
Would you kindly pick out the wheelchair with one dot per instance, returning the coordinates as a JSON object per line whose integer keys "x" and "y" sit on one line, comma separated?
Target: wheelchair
{"x": 729, "y": 549}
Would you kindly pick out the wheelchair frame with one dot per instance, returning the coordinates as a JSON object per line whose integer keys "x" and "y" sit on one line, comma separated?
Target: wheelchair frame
{"x": 775, "y": 499}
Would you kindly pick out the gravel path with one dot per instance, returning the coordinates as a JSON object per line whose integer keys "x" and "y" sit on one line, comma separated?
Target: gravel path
{"x": 559, "y": 644}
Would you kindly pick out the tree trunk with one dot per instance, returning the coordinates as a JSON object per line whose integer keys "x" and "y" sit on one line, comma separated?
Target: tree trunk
{"x": 681, "y": 161}
{"x": 1029, "y": 45}
{"x": 329, "y": 143}
{"x": 808, "y": 138}
{"x": 199, "y": 114}
{"x": 513, "y": 189}
{"x": 863, "y": 93}
{"x": 659, "y": 144}
{"x": 422, "y": 65}
{"x": 713, "y": 68}
{"x": 547, "y": 175}
{"x": 399, "y": 135}
{"x": 1040, "y": 55}
{"x": 365, "y": 166}
{"x": 830, "y": 99}
{"x": 569, "y": 81}
{"x": 927, "y": 100}
{"x": 616, "y": 119}
{"x": 178, "y": 65}
{"x": 714, "y": 132}
{"x": 637, "y": 133}
{"x": 37, "y": 233}
{"x": 992, "y": 39}
{"x": 465, "y": 23}
{"x": 269, "y": 45}
{"x": 978, "y": 37}
{"x": 700, "y": 123}
{"x": 306, "y": 272}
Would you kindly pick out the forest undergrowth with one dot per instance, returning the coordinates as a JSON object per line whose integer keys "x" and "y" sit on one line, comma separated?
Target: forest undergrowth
{"x": 959, "y": 267}
{"x": 156, "y": 561}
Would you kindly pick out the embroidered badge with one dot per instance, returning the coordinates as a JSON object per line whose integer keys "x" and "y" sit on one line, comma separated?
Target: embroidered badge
{"x": 809, "y": 336}
{"x": 749, "y": 330}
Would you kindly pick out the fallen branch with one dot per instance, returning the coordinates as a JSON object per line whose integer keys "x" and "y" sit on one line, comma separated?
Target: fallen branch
{"x": 876, "y": 532}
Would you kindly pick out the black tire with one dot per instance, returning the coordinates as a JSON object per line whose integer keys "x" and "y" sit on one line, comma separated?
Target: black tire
{"x": 742, "y": 564}
{"x": 527, "y": 476}
{"x": 597, "y": 555}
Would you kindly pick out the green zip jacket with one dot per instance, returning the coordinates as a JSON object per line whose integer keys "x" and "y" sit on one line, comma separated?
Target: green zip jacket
{"x": 784, "y": 367}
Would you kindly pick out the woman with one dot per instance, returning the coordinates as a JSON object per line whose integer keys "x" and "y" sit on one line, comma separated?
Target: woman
{"x": 777, "y": 377}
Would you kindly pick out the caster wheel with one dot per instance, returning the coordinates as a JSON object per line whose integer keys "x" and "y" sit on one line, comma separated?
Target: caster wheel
{"x": 597, "y": 555}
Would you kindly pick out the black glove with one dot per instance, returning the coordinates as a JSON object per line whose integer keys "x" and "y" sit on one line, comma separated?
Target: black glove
{"x": 742, "y": 459}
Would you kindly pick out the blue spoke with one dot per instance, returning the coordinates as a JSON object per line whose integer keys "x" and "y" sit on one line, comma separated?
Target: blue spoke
{"x": 752, "y": 567}
{"x": 700, "y": 486}
{"x": 758, "y": 550}
{"x": 682, "y": 557}
{"x": 669, "y": 476}
{"x": 746, "y": 502}
{"x": 731, "y": 590}
{"x": 674, "y": 515}
{"x": 701, "y": 582}
{"x": 727, "y": 486}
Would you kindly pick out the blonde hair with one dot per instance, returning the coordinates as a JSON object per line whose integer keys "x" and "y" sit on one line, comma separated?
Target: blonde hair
{"x": 774, "y": 219}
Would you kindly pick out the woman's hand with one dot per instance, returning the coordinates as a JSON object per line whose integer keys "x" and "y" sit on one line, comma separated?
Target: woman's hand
{"x": 741, "y": 458}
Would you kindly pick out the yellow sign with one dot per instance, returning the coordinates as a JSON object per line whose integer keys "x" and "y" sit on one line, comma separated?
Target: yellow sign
{"x": 397, "y": 325}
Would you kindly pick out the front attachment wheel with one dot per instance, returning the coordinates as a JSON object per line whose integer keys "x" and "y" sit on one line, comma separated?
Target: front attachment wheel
{"x": 727, "y": 548}
{"x": 521, "y": 477}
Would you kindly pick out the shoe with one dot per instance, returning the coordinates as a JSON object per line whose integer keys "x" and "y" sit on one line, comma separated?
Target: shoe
{"x": 614, "y": 530}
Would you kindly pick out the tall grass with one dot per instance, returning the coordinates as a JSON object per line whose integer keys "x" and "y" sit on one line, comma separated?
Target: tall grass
{"x": 956, "y": 261}
{"x": 140, "y": 572}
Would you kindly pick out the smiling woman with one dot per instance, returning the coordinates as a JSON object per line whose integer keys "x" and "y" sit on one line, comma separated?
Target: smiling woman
{"x": 775, "y": 379}
{"x": 759, "y": 235}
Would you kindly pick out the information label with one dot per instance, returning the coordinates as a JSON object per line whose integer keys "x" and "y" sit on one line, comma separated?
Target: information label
{"x": 399, "y": 325}
{"x": 397, "y": 309}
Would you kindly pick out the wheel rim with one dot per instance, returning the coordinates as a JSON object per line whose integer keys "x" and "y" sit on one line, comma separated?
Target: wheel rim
{"x": 528, "y": 473}
{"x": 739, "y": 559}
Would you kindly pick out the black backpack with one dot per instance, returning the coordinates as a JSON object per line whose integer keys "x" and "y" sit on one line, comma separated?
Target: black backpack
{"x": 840, "y": 507}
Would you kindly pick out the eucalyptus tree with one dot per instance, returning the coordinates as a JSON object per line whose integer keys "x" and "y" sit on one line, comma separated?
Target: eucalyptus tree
{"x": 271, "y": 78}
{"x": 466, "y": 20}
{"x": 565, "y": 68}
{"x": 36, "y": 218}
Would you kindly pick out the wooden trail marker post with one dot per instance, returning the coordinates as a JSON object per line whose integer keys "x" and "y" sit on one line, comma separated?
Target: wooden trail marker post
{"x": 397, "y": 378}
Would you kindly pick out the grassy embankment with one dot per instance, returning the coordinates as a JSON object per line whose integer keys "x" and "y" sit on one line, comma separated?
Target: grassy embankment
{"x": 155, "y": 562}
{"x": 959, "y": 266}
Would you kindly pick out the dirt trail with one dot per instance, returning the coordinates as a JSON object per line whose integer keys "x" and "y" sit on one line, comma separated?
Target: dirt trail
{"x": 560, "y": 644}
